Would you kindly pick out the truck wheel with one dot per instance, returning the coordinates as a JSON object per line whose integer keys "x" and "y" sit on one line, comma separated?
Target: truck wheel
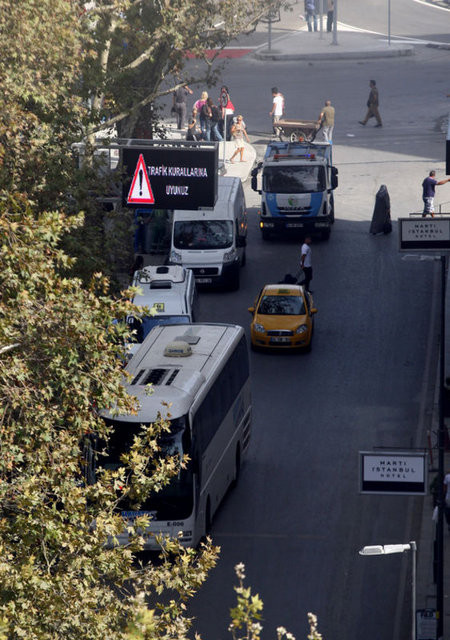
{"x": 266, "y": 235}
{"x": 326, "y": 234}
{"x": 332, "y": 209}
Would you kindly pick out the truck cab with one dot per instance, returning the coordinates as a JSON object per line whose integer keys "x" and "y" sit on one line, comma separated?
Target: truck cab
{"x": 298, "y": 180}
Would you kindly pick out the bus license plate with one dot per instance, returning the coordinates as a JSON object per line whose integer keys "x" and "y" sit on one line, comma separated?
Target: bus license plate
{"x": 278, "y": 340}
{"x": 297, "y": 225}
{"x": 203, "y": 280}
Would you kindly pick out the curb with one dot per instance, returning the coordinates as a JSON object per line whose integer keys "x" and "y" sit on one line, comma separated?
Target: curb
{"x": 338, "y": 55}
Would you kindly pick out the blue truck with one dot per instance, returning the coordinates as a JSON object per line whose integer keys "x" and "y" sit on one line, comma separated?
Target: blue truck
{"x": 298, "y": 180}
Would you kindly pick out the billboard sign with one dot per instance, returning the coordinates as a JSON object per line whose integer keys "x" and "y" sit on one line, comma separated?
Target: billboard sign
{"x": 182, "y": 176}
{"x": 425, "y": 234}
{"x": 392, "y": 472}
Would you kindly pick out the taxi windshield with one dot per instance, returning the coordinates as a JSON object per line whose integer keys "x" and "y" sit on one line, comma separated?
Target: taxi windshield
{"x": 282, "y": 306}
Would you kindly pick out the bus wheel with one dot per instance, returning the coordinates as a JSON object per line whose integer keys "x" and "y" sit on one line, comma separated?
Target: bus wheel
{"x": 237, "y": 467}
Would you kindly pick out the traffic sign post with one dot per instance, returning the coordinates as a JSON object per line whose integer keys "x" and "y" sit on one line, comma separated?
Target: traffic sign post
{"x": 171, "y": 176}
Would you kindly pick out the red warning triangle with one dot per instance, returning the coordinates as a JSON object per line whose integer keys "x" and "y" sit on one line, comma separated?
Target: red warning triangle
{"x": 140, "y": 190}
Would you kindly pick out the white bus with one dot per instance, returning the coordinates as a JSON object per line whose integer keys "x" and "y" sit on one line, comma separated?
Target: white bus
{"x": 202, "y": 370}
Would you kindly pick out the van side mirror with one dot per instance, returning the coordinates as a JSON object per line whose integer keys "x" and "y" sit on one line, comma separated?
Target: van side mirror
{"x": 251, "y": 310}
{"x": 313, "y": 311}
{"x": 254, "y": 183}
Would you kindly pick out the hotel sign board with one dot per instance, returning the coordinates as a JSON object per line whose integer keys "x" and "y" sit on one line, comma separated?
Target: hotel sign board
{"x": 393, "y": 473}
{"x": 425, "y": 234}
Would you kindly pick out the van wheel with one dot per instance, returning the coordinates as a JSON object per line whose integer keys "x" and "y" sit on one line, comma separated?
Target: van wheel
{"x": 235, "y": 282}
{"x": 237, "y": 467}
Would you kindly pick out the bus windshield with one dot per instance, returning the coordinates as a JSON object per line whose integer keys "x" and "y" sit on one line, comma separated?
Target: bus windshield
{"x": 175, "y": 500}
{"x": 294, "y": 179}
{"x": 203, "y": 234}
{"x": 143, "y": 326}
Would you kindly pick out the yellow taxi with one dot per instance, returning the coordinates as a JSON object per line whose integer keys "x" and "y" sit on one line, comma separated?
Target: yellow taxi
{"x": 282, "y": 318}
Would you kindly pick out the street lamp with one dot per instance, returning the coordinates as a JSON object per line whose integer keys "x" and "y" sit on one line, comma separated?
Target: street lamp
{"x": 379, "y": 549}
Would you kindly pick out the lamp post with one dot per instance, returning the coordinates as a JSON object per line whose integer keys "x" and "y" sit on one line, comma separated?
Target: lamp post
{"x": 335, "y": 17}
{"x": 379, "y": 549}
{"x": 389, "y": 22}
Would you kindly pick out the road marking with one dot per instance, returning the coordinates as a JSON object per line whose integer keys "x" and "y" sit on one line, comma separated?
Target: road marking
{"x": 430, "y": 4}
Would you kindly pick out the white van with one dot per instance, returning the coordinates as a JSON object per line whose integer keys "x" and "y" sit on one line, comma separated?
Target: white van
{"x": 169, "y": 292}
{"x": 212, "y": 242}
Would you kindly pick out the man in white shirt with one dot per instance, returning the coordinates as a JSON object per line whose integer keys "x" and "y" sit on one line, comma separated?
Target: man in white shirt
{"x": 306, "y": 263}
{"x": 277, "y": 108}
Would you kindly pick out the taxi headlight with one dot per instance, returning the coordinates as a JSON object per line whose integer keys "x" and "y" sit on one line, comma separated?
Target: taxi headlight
{"x": 258, "y": 328}
{"x": 301, "y": 329}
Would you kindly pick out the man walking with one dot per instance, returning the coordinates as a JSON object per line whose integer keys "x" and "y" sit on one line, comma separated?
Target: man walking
{"x": 326, "y": 119}
{"x": 372, "y": 105}
{"x": 277, "y": 109}
{"x": 428, "y": 192}
{"x": 179, "y": 104}
{"x": 306, "y": 263}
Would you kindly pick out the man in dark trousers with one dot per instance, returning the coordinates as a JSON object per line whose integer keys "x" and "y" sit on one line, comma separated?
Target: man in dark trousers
{"x": 372, "y": 105}
{"x": 428, "y": 193}
{"x": 306, "y": 263}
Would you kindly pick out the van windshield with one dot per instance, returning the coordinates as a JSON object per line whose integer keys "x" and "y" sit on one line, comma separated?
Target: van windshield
{"x": 294, "y": 179}
{"x": 203, "y": 234}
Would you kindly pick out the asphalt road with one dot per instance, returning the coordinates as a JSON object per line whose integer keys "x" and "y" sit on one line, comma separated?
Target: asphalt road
{"x": 408, "y": 18}
{"x": 296, "y": 519}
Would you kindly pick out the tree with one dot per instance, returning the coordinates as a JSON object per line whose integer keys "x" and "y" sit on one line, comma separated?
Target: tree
{"x": 40, "y": 111}
{"x": 61, "y": 357}
{"x": 141, "y": 47}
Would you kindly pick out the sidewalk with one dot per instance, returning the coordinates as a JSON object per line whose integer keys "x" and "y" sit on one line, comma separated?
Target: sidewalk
{"x": 350, "y": 44}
